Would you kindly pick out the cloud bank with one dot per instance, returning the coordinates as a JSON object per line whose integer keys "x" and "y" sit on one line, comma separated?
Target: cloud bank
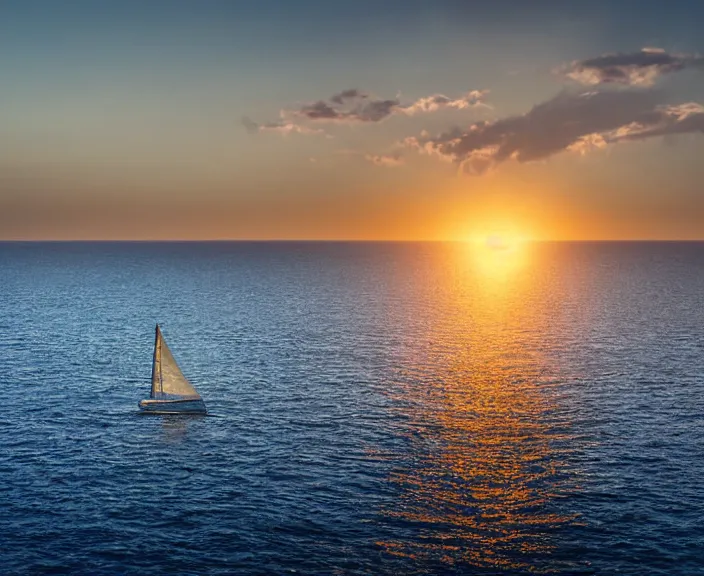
{"x": 640, "y": 68}
{"x": 567, "y": 122}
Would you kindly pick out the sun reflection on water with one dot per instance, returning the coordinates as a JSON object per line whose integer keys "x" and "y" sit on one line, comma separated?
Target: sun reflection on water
{"x": 485, "y": 464}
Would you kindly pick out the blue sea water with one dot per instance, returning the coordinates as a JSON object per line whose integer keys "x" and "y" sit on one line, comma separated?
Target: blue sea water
{"x": 375, "y": 409}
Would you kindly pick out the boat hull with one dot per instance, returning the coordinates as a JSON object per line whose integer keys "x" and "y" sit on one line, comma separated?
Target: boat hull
{"x": 185, "y": 406}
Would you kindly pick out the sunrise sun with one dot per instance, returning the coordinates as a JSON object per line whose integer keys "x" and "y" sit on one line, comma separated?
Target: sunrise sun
{"x": 497, "y": 242}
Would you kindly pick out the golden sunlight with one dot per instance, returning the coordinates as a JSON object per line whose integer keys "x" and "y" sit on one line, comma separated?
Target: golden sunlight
{"x": 499, "y": 254}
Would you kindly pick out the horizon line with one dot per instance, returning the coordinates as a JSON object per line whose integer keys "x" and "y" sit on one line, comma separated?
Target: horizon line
{"x": 328, "y": 241}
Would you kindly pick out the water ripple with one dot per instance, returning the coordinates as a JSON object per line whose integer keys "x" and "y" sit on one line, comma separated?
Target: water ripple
{"x": 377, "y": 409}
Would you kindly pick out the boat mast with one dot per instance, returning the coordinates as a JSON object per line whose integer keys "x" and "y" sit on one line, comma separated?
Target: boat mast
{"x": 161, "y": 376}
{"x": 156, "y": 364}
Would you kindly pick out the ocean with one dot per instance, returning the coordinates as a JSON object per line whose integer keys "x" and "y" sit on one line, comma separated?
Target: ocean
{"x": 374, "y": 408}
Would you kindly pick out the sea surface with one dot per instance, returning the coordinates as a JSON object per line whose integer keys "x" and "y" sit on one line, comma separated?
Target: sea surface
{"x": 375, "y": 409}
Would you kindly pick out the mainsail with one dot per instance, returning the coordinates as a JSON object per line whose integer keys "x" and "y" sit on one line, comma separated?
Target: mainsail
{"x": 167, "y": 379}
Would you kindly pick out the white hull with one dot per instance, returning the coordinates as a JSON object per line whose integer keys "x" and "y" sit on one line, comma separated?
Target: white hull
{"x": 186, "y": 406}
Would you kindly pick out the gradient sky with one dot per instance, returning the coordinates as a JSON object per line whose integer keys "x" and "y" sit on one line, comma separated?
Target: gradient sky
{"x": 216, "y": 119}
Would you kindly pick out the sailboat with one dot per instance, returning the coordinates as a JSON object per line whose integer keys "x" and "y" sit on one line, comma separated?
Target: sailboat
{"x": 171, "y": 392}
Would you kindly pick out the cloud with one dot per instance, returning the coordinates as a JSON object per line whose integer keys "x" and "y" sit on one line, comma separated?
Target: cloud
{"x": 640, "y": 68}
{"x": 282, "y": 127}
{"x": 386, "y": 160}
{"x": 567, "y": 122}
{"x": 353, "y": 106}
{"x": 349, "y": 94}
{"x": 436, "y": 102}
{"x": 368, "y": 110}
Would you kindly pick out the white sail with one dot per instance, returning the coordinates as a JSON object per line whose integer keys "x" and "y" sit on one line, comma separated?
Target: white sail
{"x": 167, "y": 379}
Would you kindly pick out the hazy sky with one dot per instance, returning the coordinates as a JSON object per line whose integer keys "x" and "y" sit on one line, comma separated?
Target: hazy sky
{"x": 352, "y": 120}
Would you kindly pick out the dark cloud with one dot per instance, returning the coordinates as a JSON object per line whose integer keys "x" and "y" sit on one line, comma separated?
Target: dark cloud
{"x": 319, "y": 110}
{"x": 354, "y": 106}
{"x": 640, "y": 68}
{"x": 375, "y": 110}
{"x": 349, "y": 94}
{"x": 368, "y": 110}
{"x": 576, "y": 122}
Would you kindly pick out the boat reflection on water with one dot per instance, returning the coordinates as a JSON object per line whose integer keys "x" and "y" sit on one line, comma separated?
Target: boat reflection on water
{"x": 174, "y": 427}
{"x": 485, "y": 436}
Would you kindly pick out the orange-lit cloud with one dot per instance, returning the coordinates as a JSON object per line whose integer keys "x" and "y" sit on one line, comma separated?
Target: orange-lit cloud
{"x": 566, "y": 122}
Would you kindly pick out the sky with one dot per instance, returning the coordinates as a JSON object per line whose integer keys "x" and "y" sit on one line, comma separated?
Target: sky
{"x": 394, "y": 120}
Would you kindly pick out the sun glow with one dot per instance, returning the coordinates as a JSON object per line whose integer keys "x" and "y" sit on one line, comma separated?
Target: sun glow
{"x": 501, "y": 242}
{"x": 499, "y": 254}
